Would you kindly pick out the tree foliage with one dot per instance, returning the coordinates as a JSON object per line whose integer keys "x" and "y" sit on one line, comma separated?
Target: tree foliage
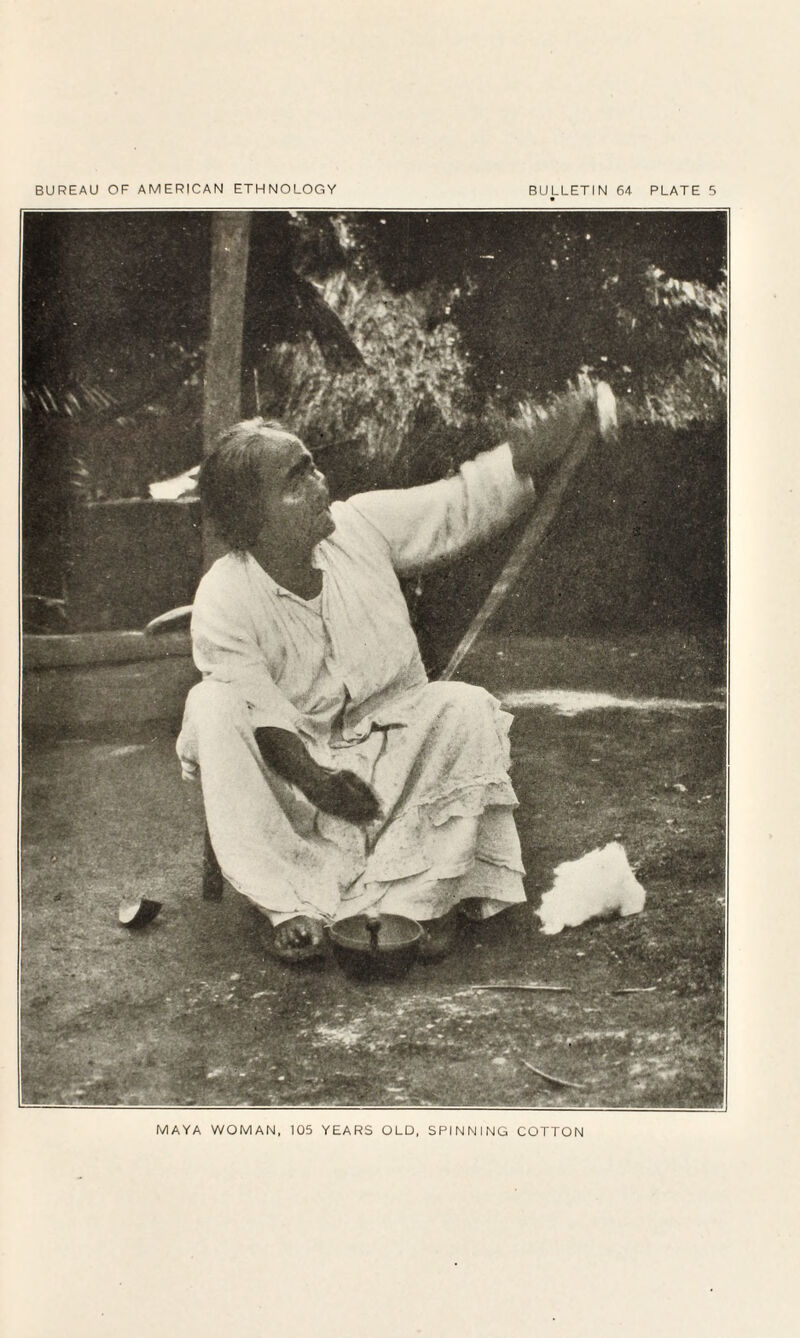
{"x": 414, "y": 374}
{"x": 638, "y": 298}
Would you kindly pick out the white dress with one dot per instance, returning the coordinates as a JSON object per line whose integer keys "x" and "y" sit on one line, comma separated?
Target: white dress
{"x": 344, "y": 672}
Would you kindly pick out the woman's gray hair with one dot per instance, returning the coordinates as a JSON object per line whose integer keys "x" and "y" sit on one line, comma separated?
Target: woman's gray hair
{"x": 231, "y": 480}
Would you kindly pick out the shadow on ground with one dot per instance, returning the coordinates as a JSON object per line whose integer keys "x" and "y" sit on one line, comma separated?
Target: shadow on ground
{"x": 190, "y": 1011}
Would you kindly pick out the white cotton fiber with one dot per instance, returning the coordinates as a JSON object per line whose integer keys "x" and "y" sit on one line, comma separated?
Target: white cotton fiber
{"x": 599, "y": 884}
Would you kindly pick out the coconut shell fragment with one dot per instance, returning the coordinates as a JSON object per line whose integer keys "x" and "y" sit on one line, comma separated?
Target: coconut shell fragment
{"x": 134, "y": 914}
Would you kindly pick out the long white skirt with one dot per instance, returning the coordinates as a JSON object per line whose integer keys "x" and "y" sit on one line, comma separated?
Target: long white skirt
{"x": 446, "y": 831}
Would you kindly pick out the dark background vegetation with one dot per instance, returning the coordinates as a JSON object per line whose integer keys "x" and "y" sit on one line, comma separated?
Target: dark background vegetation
{"x": 397, "y": 345}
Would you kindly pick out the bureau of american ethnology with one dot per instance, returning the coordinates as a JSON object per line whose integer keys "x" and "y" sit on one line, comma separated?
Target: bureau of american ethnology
{"x": 285, "y": 189}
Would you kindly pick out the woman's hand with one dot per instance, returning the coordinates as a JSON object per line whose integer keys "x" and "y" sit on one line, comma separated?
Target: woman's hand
{"x": 341, "y": 793}
{"x": 346, "y": 795}
{"x": 538, "y": 443}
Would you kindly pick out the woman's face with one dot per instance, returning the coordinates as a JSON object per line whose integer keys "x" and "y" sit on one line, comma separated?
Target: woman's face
{"x": 295, "y": 497}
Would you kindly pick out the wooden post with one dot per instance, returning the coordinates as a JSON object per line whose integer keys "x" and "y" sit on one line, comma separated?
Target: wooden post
{"x": 230, "y": 236}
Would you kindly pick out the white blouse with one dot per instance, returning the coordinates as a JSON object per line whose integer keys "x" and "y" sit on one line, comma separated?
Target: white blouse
{"x": 332, "y": 667}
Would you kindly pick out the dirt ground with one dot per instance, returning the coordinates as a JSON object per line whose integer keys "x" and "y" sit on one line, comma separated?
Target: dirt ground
{"x": 190, "y": 1011}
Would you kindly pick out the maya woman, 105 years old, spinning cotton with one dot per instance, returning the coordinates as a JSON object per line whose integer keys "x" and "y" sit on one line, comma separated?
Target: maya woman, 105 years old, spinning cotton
{"x": 336, "y": 779}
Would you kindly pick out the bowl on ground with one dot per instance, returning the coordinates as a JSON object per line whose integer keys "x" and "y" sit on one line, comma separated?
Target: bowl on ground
{"x": 375, "y": 947}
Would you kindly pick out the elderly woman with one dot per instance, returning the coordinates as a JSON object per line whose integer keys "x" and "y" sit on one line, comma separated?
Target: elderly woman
{"x": 336, "y": 778}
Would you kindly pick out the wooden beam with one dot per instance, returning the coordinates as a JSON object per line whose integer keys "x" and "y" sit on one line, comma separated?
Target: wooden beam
{"x": 222, "y": 404}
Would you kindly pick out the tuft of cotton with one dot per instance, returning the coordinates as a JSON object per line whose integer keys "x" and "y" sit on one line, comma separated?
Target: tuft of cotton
{"x": 596, "y": 886}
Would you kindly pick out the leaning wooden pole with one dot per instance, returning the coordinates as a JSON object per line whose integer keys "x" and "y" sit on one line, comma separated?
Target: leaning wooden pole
{"x": 603, "y": 424}
{"x": 222, "y": 403}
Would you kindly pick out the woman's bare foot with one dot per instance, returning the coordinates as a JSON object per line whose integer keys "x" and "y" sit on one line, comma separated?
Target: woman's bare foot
{"x": 440, "y": 936}
{"x": 300, "y": 939}
{"x": 472, "y": 909}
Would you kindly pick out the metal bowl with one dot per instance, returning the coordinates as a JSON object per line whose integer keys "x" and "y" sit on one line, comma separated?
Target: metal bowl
{"x": 375, "y": 947}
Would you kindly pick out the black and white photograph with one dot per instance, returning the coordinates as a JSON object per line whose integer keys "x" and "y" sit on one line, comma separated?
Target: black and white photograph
{"x": 374, "y": 600}
{"x": 400, "y": 772}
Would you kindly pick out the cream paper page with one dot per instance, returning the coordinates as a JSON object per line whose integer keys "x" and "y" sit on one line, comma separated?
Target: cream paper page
{"x": 652, "y": 1222}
